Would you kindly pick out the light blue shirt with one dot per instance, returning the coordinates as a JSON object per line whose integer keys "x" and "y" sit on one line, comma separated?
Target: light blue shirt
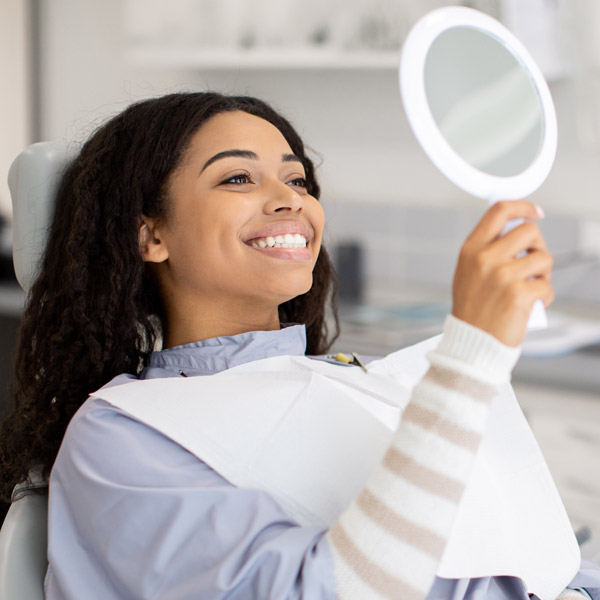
{"x": 134, "y": 515}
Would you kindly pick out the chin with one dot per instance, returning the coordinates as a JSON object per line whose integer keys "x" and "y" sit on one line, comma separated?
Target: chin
{"x": 296, "y": 290}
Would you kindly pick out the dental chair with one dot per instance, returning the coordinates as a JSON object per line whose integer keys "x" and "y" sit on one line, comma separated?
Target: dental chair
{"x": 33, "y": 179}
{"x": 23, "y": 542}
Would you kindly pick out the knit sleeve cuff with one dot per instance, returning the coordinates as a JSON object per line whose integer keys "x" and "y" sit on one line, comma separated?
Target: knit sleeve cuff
{"x": 475, "y": 352}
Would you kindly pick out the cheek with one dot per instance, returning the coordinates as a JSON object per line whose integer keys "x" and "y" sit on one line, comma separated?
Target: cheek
{"x": 192, "y": 248}
{"x": 205, "y": 229}
{"x": 320, "y": 214}
{"x": 317, "y": 217}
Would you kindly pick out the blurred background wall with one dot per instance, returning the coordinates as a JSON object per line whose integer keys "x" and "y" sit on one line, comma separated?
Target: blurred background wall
{"x": 332, "y": 68}
{"x": 15, "y": 107}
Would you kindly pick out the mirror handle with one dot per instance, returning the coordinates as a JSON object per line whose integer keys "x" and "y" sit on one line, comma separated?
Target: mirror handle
{"x": 538, "y": 319}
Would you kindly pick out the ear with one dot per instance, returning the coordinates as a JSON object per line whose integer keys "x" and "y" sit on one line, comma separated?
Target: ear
{"x": 152, "y": 247}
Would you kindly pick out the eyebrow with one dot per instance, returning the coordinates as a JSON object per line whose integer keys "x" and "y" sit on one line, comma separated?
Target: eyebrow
{"x": 245, "y": 154}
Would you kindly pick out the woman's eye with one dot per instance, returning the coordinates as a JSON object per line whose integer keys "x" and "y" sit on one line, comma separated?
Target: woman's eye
{"x": 238, "y": 179}
{"x": 298, "y": 182}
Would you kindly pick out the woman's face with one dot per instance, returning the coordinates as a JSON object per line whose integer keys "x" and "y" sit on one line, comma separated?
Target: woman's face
{"x": 242, "y": 229}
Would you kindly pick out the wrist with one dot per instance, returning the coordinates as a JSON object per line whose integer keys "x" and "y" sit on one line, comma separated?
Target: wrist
{"x": 475, "y": 351}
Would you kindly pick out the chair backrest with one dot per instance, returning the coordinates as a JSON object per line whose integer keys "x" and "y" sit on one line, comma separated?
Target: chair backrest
{"x": 23, "y": 549}
{"x": 33, "y": 180}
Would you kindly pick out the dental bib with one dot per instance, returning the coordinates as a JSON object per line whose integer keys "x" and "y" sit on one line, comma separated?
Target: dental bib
{"x": 310, "y": 433}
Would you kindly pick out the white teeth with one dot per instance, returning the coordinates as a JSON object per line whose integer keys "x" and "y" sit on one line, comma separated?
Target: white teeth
{"x": 289, "y": 240}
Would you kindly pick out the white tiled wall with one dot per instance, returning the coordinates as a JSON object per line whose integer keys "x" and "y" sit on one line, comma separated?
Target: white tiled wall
{"x": 420, "y": 244}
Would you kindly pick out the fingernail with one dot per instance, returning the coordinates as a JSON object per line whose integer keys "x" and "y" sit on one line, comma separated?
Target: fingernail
{"x": 540, "y": 211}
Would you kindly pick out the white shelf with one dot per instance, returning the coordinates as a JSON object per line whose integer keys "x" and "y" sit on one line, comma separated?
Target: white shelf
{"x": 265, "y": 59}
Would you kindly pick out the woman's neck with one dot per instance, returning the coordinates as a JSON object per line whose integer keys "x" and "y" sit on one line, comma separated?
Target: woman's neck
{"x": 191, "y": 328}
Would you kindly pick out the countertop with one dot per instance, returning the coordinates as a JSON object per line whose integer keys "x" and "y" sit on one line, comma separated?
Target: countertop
{"x": 392, "y": 319}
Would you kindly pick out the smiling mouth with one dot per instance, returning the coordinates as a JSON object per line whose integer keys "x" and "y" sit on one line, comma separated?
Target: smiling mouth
{"x": 289, "y": 240}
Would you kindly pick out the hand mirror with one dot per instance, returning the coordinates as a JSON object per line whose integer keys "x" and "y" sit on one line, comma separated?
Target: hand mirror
{"x": 479, "y": 106}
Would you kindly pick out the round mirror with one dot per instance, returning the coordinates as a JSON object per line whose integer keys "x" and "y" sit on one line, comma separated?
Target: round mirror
{"x": 478, "y": 104}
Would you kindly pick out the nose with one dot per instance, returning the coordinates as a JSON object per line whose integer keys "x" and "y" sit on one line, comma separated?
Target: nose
{"x": 282, "y": 197}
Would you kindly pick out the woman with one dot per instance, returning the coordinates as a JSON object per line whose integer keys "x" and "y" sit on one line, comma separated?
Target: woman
{"x": 195, "y": 218}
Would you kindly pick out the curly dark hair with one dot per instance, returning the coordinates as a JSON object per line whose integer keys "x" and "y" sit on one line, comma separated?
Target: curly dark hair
{"x": 94, "y": 311}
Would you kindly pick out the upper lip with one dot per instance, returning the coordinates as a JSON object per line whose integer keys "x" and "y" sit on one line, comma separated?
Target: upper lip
{"x": 281, "y": 228}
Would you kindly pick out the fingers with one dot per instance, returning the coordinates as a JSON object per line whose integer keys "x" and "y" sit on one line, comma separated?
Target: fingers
{"x": 525, "y": 237}
{"x": 493, "y": 222}
{"x": 537, "y": 263}
{"x": 524, "y": 241}
{"x": 526, "y": 293}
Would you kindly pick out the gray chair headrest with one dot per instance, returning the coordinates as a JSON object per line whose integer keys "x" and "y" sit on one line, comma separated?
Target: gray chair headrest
{"x": 33, "y": 181}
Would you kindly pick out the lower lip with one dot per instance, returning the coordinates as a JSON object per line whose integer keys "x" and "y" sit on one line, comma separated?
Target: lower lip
{"x": 286, "y": 253}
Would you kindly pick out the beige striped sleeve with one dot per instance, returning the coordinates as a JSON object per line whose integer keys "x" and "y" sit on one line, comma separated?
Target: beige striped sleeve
{"x": 390, "y": 540}
{"x": 571, "y": 595}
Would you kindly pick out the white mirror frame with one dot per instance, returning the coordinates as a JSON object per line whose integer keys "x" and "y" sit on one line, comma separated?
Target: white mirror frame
{"x": 414, "y": 96}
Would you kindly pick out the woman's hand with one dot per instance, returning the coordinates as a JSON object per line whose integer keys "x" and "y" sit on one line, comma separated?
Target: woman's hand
{"x": 495, "y": 290}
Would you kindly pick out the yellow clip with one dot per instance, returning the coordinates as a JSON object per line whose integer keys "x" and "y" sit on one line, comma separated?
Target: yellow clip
{"x": 355, "y": 360}
{"x": 341, "y": 357}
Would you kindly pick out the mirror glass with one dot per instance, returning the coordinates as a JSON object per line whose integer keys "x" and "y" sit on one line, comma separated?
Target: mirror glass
{"x": 483, "y": 101}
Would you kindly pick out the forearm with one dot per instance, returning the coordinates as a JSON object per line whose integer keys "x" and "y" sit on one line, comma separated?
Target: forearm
{"x": 390, "y": 540}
